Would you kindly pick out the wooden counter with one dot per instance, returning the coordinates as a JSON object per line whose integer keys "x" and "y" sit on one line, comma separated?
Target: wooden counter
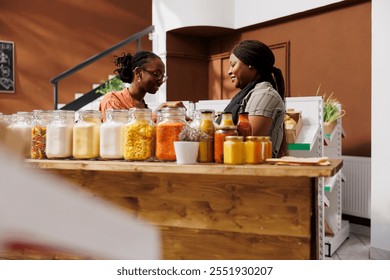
{"x": 212, "y": 211}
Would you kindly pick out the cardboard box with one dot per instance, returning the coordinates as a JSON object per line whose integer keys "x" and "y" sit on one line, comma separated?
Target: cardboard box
{"x": 292, "y": 130}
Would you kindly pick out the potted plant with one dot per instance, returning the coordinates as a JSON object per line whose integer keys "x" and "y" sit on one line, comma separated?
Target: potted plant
{"x": 332, "y": 112}
{"x": 186, "y": 148}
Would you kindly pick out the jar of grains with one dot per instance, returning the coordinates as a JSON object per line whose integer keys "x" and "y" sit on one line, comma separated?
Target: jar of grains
{"x": 59, "y": 134}
{"x": 234, "y": 150}
{"x": 167, "y": 132}
{"x": 21, "y": 128}
{"x": 38, "y": 133}
{"x": 112, "y": 134}
{"x": 86, "y": 135}
{"x": 139, "y": 135}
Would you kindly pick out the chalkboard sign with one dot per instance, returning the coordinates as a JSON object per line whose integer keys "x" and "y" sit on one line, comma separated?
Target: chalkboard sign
{"x": 7, "y": 73}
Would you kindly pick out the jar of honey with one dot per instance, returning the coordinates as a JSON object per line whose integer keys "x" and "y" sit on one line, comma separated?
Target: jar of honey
{"x": 234, "y": 150}
{"x": 219, "y": 138}
{"x": 266, "y": 147}
{"x": 253, "y": 150}
{"x": 206, "y": 147}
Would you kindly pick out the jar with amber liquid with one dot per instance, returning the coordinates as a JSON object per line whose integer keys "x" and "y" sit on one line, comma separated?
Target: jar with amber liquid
{"x": 219, "y": 138}
{"x": 244, "y": 127}
{"x": 206, "y": 147}
{"x": 86, "y": 135}
{"x": 234, "y": 150}
{"x": 167, "y": 132}
{"x": 253, "y": 150}
{"x": 266, "y": 147}
{"x": 139, "y": 136}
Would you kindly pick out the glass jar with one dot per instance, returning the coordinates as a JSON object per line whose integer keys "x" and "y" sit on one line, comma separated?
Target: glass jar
{"x": 139, "y": 136}
{"x": 111, "y": 134}
{"x": 219, "y": 138}
{"x": 21, "y": 128}
{"x": 86, "y": 135}
{"x": 38, "y": 133}
{"x": 244, "y": 127}
{"x": 206, "y": 147}
{"x": 253, "y": 150}
{"x": 234, "y": 150}
{"x": 266, "y": 147}
{"x": 59, "y": 135}
{"x": 167, "y": 132}
{"x": 227, "y": 119}
{"x": 196, "y": 116}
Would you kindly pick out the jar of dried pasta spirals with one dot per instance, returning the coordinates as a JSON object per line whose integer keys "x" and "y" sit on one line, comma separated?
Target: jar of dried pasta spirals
{"x": 38, "y": 133}
{"x": 139, "y": 135}
{"x": 167, "y": 132}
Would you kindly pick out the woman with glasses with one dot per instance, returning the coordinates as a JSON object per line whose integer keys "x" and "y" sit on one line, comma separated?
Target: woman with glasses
{"x": 145, "y": 72}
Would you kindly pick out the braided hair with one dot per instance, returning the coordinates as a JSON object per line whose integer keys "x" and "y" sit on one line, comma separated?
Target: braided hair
{"x": 261, "y": 57}
{"x": 126, "y": 64}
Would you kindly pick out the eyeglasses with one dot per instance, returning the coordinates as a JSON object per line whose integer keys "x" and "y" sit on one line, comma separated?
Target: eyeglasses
{"x": 157, "y": 76}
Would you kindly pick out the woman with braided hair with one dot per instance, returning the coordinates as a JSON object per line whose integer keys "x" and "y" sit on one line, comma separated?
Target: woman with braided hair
{"x": 145, "y": 71}
{"x": 261, "y": 91}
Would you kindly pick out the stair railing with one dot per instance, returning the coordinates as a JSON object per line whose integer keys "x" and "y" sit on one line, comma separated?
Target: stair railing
{"x": 136, "y": 37}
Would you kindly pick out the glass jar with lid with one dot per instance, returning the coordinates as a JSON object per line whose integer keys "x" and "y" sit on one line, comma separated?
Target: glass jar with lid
{"x": 244, "y": 127}
{"x": 140, "y": 135}
{"x": 40, "y": 121}
{"x": 266, "y": 147}
{"x": 253, "y": 150}
{"x": 21, "y": 128}
{"x": 59, "y": 135}
{"x": 111, "y": 134}
{"x": 167, "y": 132}
{"x": 206, "y": 147}
{"x": 219, "y": 138}
{"x": 86, "y": 135}
{"x": 234, "y": 150}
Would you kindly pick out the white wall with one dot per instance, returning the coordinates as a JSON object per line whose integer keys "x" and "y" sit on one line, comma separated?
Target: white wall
{"x": 380, "y": 151}
{"x": 173, "y": 14}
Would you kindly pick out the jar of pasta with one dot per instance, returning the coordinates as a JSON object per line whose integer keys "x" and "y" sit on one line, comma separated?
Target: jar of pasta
{"x": 219, "y": 138}
{"x": 111, "y": 134}
{"x": 59, "y": 135}
{"x": 234, "y": 150}
{"x": 38, "y": 133}
{"x": 86, "y": 135}
{"x": 139, "y": 136}
{"x": 167, "y": 132}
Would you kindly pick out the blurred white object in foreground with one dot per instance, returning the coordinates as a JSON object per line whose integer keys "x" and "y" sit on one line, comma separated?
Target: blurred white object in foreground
{"x": 44, "y": 212}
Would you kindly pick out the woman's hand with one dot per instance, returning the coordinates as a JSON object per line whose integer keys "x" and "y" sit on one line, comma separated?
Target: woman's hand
{"x": 171, "y": 104}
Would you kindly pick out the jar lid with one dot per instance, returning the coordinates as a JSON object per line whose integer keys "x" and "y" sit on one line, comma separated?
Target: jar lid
{"x": 239, "y": 138}
{"x": 227, "y": 127}
{"x": 258, "y": 138}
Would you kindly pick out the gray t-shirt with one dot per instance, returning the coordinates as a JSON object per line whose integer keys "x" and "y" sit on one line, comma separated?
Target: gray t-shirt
{"x": 264, "y": 100}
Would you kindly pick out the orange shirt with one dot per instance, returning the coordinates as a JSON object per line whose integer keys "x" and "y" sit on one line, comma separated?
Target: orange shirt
{"x": 117, "y": 100}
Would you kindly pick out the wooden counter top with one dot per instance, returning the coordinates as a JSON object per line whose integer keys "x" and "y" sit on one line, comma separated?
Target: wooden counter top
{"x": 211, "y": 211}
{"x": 267, "y": 170}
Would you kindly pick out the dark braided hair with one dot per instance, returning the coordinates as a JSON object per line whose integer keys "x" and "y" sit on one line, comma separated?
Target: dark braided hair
{"x": 261, "y": 57}
{"x": 127, "y": 63}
